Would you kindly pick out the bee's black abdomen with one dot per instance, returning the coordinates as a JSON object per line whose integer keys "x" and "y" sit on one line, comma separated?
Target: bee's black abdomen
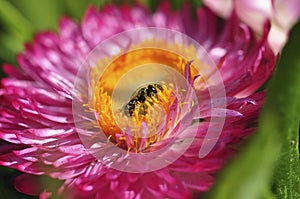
{"x": 141, "y": 95}
{"x": 133, "y": 102}
{"x": 140, "y": 98}
{"x": 129, "y": 108}
{"x": 151, "y": 90}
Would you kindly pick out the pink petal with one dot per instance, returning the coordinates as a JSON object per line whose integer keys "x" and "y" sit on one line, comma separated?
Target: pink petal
{"x": 28, "y": 184}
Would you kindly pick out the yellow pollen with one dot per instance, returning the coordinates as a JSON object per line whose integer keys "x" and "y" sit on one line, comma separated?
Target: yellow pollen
{"x": 151, "y": 112}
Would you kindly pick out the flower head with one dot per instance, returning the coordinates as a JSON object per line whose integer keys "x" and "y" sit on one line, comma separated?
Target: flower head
{"x": 149, "y": 112}
{"x": 281, "y": 14}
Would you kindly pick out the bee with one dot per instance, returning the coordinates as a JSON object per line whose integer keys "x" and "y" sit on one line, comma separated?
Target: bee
{"x": 139, "y": 98}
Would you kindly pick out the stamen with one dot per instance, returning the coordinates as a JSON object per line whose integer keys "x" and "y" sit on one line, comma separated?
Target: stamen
{"x": 149, "y": 106}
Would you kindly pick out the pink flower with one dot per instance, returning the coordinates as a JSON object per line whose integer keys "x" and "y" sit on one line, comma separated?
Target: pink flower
{"x": 280, "y": 13}
{"x": 39, "y": 129}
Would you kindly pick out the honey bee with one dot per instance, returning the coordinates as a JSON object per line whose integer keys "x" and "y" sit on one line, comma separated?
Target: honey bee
{"x": 139, "y": 98}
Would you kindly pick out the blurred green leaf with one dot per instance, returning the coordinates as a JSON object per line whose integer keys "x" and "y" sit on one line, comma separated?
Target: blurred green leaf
{"x": 76, "y": 10}
{"x": 249, "y": 175}
{"x": 153, "y": 4}
{"x": 287, "y": 173}
{"x": 196, "y": 3}
{"x": 14, "y": 22}
{"x": 177, "y": 4}
{"x": 9, "y": 43}
{"x": 42, "y": 14}
{"x": 6, "y": 56}
{"x": 15, "y": 29}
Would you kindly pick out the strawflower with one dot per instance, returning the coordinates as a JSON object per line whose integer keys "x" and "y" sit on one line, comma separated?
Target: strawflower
{"x": 282, "y": 14}
{"x": 58, "y": 116}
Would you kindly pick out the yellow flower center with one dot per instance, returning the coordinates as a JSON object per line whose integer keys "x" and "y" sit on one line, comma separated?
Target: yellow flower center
{"x": 144, "y": 118}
